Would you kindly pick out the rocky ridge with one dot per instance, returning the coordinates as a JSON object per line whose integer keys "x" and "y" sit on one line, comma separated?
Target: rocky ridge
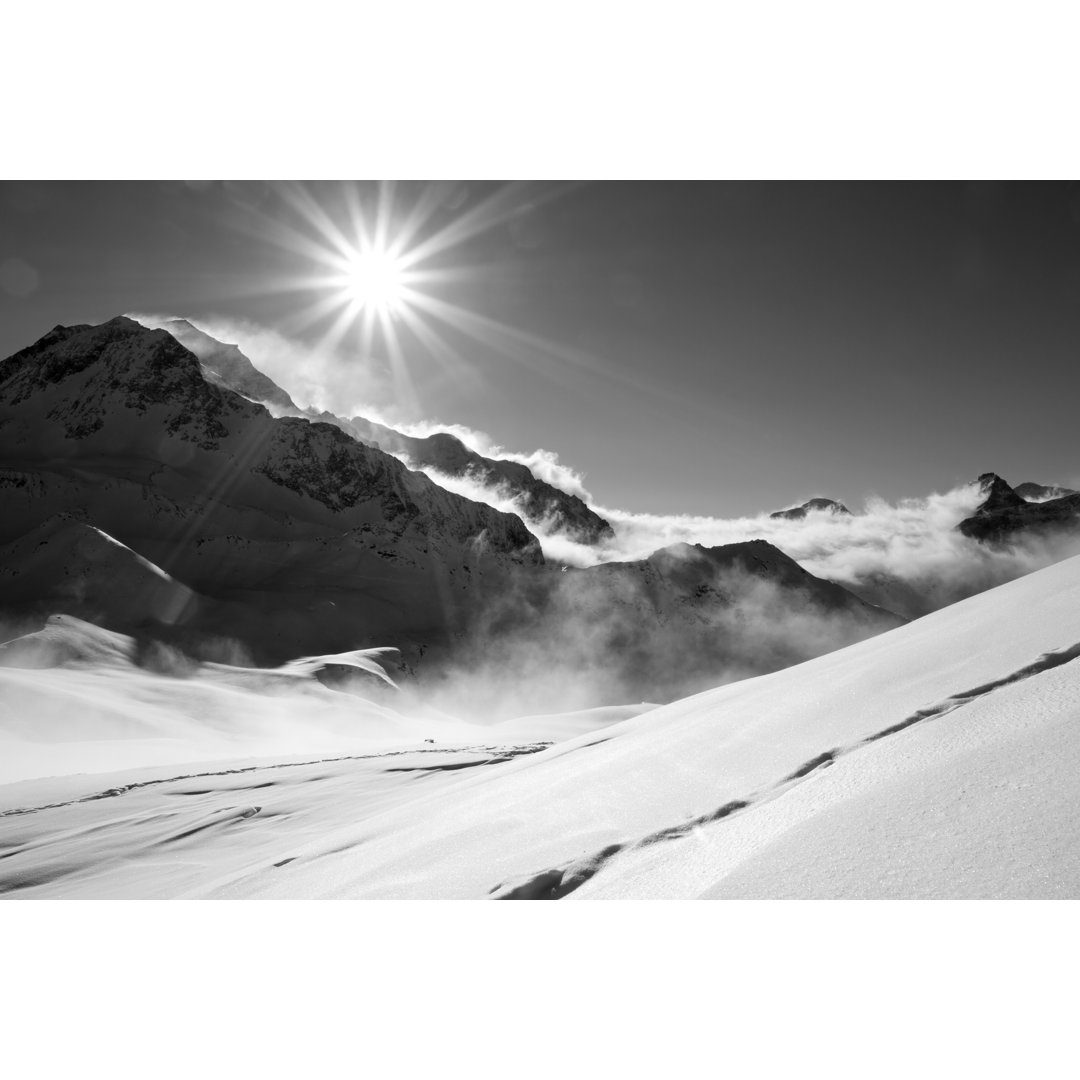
{"x": 1004, "y": 513}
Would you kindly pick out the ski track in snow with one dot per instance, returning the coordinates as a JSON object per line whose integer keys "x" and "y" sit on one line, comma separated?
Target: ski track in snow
{"x": 502, "y": 753}
{"x": 556, "y": 882}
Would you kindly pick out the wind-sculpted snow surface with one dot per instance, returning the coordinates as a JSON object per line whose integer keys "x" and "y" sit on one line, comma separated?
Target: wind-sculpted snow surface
{"x": 558, "y": 882}
{"x": 685, "y": 798}
{"x": 75, "y": 697}
{"x": 936, "y": 760}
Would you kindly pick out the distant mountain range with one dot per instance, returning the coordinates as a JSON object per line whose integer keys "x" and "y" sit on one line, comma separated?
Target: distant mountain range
{"x": 145, "y": 487}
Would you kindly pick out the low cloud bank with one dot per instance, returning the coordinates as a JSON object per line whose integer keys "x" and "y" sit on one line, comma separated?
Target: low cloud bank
{"x": 906, "y": 556}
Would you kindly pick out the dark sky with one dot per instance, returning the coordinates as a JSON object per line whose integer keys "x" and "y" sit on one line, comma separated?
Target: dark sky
{"x": 704, "y": 348}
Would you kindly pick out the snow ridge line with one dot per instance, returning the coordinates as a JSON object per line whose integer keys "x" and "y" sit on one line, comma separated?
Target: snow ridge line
{"x": 505, "y": 752}
{"x": 557, "y": 882}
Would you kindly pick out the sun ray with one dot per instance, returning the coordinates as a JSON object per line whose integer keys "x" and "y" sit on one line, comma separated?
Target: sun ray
{"x": 404, "y": 390}
{"x": 355, "y": 212}
{"x": 491, "y": 331}
{"x": 373, "y": 286}
{"x": 498, "y": 208}
{"x": 384, "y": 209}
{"x": 430, "y": 199}
{"x": 324, "y": 305}
{"x": 433, "y": 343}
{"x": 302, "y": 200}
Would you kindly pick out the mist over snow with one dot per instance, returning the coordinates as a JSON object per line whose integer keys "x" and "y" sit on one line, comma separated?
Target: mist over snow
{"x": 620, "y": 636}
{"x": 79, "y": 697}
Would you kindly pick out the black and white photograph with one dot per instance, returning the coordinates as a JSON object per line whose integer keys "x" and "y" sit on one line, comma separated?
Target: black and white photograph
{"x": 582, "y": 454}
{"x": 539, "y": 540}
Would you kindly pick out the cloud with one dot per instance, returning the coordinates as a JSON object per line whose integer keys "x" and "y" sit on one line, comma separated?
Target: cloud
{"x": 544, "y": 464}
{"x": 582, "y": 639}
{"x": 906, "y": 556}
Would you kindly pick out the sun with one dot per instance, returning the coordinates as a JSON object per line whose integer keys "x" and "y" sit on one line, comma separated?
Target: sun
{"x": 379, "y": 265}
{"x": 375, "y": 280}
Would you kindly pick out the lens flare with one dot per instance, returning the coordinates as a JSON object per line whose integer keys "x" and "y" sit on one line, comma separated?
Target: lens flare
{"x": 375, "y": 279}
{"x": 380, "y": 263}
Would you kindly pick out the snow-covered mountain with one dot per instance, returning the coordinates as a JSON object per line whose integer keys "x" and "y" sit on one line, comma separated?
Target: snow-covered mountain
{"x": 538, "y": 502}
{"x": 535, "y": 500}
{"x": 226, "y": 366}
{"x": 142, "y": 490}
{"x": 306, "y": 540}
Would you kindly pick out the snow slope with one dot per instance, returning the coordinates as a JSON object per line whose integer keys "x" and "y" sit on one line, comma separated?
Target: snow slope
{"x": 939, "y": 759}
{"x": 680, "y": 772}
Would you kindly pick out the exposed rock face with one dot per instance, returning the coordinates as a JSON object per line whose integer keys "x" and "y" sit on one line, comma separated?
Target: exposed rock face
{"x": 536, "y": 500}
{"x": 72, "y": 377}
{"x": 226, "y": 366}
{"x": 1003, "y": 513}
{"x": 305, "y": 539}
{"x": 797, "y": 513}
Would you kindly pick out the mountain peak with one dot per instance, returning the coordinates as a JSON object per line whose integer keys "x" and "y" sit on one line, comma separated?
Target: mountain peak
{"x": 1032, "y": 492}
{"x": 1004, "y": 512}
{"x": 226, "y": 366}
{"x": 815, "y": 505}
{"x": 999, "y": 495}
